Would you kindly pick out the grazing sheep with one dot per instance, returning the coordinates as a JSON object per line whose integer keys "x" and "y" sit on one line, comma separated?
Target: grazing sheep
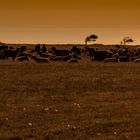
{"x": 11, "y": 53}
{"x": 114, "y": 58}
{"x": 135, "y": 57}
{"x": 1, "y": 54}
{"x": 3, "y": 47}
{"x": 43, "y": 48}
{"x": 23, "y": 58}
{"x": 39, "y": 59}
{"x": 60, "y": 52}
{"x": 11, "y": 48}
{"x": 111, "y": 60}
{"x": 99, "y": 55}
{"x": 137, "y": 60}
{"x": 23, "y": 48}
{"x": 73, "y": 59}
{"x": 76, "y": 50}
{"x": 27, "y": 54}
{"x": 36, "y": 49}
{"x": 60, "y": 58}
{"x": 125, "y": 59}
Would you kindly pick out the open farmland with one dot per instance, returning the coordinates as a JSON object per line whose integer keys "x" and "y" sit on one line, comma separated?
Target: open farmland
{"x": 62, "y": 101}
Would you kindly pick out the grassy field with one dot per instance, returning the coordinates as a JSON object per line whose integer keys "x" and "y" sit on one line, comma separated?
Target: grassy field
{"x": 62, "y": 101}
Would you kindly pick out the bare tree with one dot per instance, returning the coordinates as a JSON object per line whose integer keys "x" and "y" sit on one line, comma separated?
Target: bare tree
{"x": 91, "y": 38}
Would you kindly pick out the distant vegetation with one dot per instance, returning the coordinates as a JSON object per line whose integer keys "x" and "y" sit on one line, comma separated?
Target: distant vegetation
{"x": 90, "y": 38}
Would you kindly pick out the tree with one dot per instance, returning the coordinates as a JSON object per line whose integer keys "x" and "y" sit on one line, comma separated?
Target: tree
{"x": 127, "y": 40}
{"x": 91, "y": 38}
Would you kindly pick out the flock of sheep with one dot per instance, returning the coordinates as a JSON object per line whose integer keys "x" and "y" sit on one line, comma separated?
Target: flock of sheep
{"x": 41, "y": 54}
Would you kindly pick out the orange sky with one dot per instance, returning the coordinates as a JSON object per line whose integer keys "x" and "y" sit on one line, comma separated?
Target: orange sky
{"x": 68, "y": 21}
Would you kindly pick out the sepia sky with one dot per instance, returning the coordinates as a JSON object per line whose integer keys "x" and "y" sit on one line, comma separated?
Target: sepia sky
{"x": 68, "y": 21}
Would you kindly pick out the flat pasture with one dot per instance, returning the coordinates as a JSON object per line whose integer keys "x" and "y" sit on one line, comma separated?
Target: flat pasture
{"x": 62, "y": 101}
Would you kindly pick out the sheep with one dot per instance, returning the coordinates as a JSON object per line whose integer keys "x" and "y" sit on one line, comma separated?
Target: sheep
{"x": 39, "y": 59}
